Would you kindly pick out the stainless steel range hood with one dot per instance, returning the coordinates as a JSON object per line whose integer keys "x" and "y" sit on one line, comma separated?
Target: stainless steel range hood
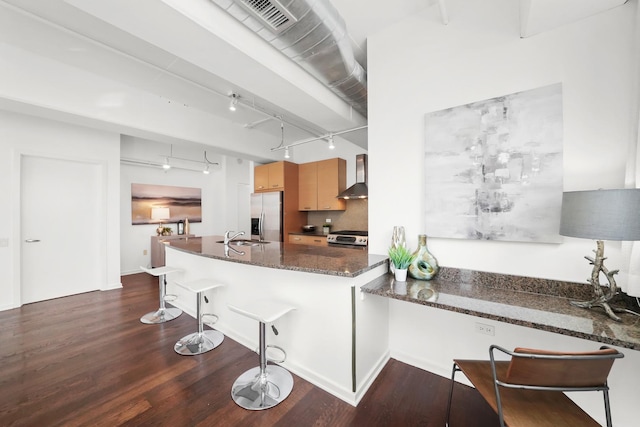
{"x": 359, "y": 190}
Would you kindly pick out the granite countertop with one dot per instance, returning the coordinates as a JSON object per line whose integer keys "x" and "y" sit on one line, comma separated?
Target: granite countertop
{"x": 331, "y": 261}
{"x": 535, "y": 303}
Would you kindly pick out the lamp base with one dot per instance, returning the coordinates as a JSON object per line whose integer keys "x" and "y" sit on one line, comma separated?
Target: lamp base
{"x": 602, "y": 298}
{"x": 603, "y": 304}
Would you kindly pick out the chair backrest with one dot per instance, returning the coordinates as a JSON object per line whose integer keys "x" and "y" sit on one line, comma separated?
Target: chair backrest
{"x": 543, "y": 368}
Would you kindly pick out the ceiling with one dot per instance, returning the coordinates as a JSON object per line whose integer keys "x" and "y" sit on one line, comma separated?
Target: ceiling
{"x": 195, "y": 41}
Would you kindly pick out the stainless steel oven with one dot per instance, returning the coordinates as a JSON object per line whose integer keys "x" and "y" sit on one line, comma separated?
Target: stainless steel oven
{"x": 348, "y": 239}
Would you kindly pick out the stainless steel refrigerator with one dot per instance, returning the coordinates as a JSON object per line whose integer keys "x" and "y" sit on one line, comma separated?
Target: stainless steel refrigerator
{"x": 266, "y": 216}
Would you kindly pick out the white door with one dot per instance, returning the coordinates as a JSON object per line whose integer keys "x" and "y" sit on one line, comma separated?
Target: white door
{"x": 60, "y": 220}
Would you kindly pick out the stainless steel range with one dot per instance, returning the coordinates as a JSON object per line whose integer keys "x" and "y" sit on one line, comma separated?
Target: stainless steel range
{"x": 348, "y": 238}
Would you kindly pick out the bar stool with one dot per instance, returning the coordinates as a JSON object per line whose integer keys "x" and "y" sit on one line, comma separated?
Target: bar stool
{"x": 266, "y": 385}
{"x": 163, "y": 314}
{"x": 201, "y": 341}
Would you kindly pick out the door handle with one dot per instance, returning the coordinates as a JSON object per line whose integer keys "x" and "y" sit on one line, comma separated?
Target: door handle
{"x": 32, "y": 240}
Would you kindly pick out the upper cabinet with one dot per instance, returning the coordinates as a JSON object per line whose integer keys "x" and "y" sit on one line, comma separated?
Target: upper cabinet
{"x": 271, "y": 177}
{"x": 320, "y": 183}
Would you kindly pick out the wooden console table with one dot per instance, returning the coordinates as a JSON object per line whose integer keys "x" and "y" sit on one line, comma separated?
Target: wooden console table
{"x": 157, "y": 247}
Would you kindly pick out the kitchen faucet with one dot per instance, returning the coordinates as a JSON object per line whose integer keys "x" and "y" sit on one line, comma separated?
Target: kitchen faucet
{"x": 227, "y": 239}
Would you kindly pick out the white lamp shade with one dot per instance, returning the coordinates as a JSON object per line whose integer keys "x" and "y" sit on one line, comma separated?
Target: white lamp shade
{"x": 160, "y": 213}
{"x": 601, "y": 214}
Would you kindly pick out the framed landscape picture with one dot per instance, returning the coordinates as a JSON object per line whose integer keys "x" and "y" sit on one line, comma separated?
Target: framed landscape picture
{"x": 153, "y": 204}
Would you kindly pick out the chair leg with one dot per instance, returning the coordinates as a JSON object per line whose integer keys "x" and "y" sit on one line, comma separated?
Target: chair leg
{"x": 607, "y": 407}
{"x": 264, "y": 386}
{"x": 453, "y": 382}
{"x": 201, "y": 341}
{"x": 162, "y": 314}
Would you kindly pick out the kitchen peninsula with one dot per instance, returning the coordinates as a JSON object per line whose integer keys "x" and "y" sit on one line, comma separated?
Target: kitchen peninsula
{"x": 335, "y": 338}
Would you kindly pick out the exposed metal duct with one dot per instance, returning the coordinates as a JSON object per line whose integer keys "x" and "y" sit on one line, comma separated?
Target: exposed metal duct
{"x": 312, "y": 33}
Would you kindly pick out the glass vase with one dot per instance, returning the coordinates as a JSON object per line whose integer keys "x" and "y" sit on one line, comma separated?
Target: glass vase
{"x": 424, "y": 265}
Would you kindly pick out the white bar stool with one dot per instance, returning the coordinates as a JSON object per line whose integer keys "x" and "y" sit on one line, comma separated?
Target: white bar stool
{"x": 264, "y": 386}
{"x": 163, "y": 314}
{"x": 201, "y": 341}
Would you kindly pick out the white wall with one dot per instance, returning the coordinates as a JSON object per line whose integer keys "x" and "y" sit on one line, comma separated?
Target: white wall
{"x": 419, "y": 66}
{"x": 20, "y": 134}
{"x": 219, "y": 194}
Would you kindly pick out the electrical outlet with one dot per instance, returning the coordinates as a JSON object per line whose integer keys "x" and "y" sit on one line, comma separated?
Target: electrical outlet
{"x": 144, "y": 252}
{"x": 482, "y": 328}
{"x": 328, "y": 220}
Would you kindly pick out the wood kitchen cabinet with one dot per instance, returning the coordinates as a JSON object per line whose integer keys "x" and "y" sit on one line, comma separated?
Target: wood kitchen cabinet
{"x": 282, "y": 176}
{"x": 308, "y": 240}
{"x": 319, "y": 184}
{"x": 272, "y": 176}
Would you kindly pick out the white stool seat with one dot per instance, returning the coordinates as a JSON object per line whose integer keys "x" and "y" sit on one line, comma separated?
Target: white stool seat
{"x": 262, "y": 311}
{"x": 266, "y": 385}
{"x": 200, "y": 285}
{"x": 159, "y": 271}
{"x": 201, "y": 341}
{"x": 162, "y": 314}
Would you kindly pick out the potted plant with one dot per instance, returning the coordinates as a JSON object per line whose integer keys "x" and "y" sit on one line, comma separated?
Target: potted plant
{"x": 401, "y": 259}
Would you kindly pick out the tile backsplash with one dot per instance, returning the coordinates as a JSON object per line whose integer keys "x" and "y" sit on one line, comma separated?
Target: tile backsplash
{"x": 356, "y": 217}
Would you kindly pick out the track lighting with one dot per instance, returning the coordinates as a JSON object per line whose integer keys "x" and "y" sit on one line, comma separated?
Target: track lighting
{"x": 286, "y": 153}
{"x": 166, "y": 166}
{"x": 234, "y": 102}
{"x": 331, "y": 145}
{"x": 206, "y": 170}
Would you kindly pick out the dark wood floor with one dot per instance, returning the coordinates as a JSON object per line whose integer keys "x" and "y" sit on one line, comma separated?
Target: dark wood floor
{"x": 87, "y": 360}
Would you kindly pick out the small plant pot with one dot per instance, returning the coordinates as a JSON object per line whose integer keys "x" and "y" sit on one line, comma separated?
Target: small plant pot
{"x": 400, "y": 274}
{"x": 326, "y": 230}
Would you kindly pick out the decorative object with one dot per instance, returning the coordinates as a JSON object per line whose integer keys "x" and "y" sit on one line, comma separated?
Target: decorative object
{"x": 184, "y": 202}
{"x": 397, "y": 239}
{"x": 601, "y": 215}
{"x": 401, "y": 259}
{"x": 493, "y": 168}
{"x": 187, "y": 227}
{"x": 424, "y": 265}
{"x": 326, "y": 228}
{"x": 160, "y": 214}
{"x": 166, "y": 231}
{"x": 180, "y": 227}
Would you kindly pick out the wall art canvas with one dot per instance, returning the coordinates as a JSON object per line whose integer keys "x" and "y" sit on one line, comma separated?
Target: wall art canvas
{"x": 493, "y": 168}
{"x": 182, "y": 203}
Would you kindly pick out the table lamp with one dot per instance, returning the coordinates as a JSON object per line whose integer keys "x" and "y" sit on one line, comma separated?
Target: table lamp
{"x": 601, "y": 215}
{"x": 160, "y": 214}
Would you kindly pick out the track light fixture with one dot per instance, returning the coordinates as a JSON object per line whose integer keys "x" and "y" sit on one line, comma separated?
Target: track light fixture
{"x": 331, "y": 145}
{"x": 286, "y": 153}
{"x": 234, "y": 102}
{"x": 166, "y": 166}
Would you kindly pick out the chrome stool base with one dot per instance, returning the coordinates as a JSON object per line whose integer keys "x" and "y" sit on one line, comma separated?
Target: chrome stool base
{"x": 255, "y": 392}
{"x": 198, "y": 343}
{"x": 161, "y": 316}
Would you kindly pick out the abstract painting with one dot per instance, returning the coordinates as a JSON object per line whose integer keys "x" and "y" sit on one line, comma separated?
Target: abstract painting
{"x": 493, "y": 168}
{"x": 182, "y": 203}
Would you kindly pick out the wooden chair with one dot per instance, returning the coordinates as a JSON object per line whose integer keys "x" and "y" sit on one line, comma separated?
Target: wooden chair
{"x": 529, "y": 389}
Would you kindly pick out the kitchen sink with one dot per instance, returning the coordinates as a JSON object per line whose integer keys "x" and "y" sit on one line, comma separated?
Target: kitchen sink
{"x": 245, "y": 242}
